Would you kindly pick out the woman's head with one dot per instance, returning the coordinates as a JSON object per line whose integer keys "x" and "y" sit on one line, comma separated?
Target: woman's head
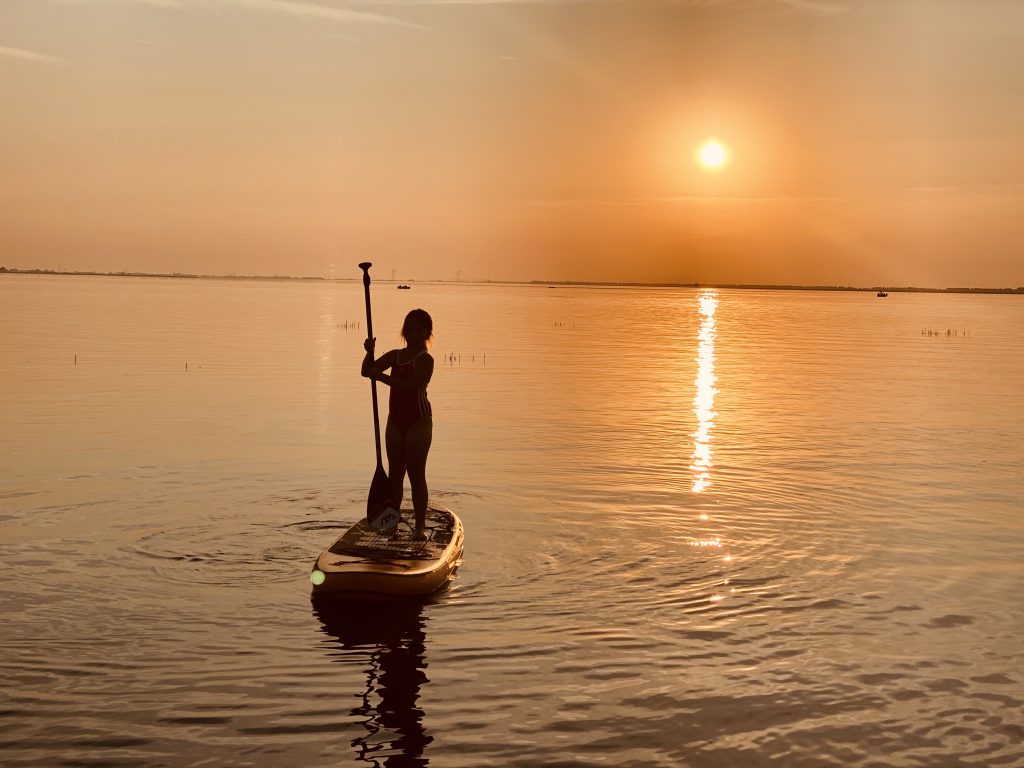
{"x": 418, "y": 327}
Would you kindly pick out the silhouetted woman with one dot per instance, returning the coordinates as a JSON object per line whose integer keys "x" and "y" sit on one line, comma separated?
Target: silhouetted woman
{"x": 410, "y": 427}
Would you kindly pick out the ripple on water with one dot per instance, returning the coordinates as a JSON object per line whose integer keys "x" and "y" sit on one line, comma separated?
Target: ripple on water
{"x": 203, "y": 555}
{"x": 241, "y": 547}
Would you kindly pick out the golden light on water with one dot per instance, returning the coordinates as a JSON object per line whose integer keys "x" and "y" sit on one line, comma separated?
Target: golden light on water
{"x": 713, "y": 155}
{"x": 705, "y": 543}
{"x": 704, "y": 399}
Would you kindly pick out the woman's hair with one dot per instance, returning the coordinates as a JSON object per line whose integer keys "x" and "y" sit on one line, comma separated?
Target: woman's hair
{"x": 421, "y": 317}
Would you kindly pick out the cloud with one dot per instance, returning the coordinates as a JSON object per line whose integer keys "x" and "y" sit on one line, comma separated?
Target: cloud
{"x": 313, "y": 10}
{"x": 321, "y": 10}
{"x": 1012, "y": 190}
{"x": 718, "y": 199}
{"x": 821, "y": 7}
{"x": 413, "y": 3}
{"x": 682, "y": 200}
{"x": 299, "y": 8}
{"x": 20, "y": 53}
{"x": 814, "y": 7}
{"x": 151, "y": 3}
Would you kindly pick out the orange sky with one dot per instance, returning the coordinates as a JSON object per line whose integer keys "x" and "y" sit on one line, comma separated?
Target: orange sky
{"x": 872, "y": 141}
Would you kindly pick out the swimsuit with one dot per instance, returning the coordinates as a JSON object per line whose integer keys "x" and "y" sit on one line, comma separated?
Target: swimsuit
{"x": 407, "y": 406}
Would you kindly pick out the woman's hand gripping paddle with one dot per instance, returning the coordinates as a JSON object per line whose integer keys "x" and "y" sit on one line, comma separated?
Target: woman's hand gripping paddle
{"x": 381, "y": 514}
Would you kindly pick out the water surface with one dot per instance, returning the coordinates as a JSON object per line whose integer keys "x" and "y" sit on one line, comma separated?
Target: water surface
{"x": 704, "y": 528}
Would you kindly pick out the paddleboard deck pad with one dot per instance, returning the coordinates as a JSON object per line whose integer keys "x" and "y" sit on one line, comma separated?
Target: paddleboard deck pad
{"x": 362, "y": 560}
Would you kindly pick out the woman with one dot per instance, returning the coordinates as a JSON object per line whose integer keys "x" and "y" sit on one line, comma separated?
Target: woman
{"x": 410, "y": 426}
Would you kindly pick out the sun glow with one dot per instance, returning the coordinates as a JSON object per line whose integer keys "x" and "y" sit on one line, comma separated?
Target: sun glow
{"x": 713, "y": 155}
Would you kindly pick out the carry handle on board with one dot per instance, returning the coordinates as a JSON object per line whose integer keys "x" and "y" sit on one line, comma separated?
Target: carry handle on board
{"x": 381, "y": 513}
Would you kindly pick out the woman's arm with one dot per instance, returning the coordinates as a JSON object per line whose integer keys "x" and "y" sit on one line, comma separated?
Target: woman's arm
{"x": 371, "y": 366}
{"x": 421, "y": 374}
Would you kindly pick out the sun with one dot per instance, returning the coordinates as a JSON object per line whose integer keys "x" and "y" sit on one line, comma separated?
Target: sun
{"x": 713, "y": 155}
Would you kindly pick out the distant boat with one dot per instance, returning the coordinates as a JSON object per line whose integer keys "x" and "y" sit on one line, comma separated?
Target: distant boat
{"x": 403, "y": 287}
{"x": 880, "y": 294}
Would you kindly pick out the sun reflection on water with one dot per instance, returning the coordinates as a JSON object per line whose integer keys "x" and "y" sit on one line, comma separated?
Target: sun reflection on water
{"x": 704, "y": 400}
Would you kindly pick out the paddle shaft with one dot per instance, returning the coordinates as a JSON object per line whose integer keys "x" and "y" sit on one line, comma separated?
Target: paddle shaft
{"x": 365, "y": 266}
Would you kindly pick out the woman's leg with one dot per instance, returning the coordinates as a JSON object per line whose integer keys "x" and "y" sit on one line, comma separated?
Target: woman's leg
{"x": 417, "y": 445}
{"x": 394, "y": 443}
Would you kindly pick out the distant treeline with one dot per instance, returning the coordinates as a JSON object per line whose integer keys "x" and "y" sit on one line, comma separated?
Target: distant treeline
{"x": 182, "y": 275}
{"x": 550, "y": 283}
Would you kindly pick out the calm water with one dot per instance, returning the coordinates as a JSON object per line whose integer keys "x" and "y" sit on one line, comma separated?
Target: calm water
{"x": 704, "y": 528}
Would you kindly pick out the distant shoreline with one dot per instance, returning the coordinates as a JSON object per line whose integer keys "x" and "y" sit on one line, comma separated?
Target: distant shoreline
{"x": 550, "y": 283}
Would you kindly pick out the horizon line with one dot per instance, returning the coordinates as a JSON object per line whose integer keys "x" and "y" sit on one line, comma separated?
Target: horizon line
{"x": 549, "y": 283}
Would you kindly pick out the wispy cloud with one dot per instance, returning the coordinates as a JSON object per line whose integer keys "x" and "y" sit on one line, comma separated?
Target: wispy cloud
{"x": 151, "y": 3}
{"x": 314, "y": 10}
{"x": 300, "y": 8}
{"x": 21, "y": 53}
{"x": 681, "y": 200}
{"x": 1013, "y": 190}
{"x": 821, "y": 7}
{"x": 769, "y": 199}
{"x": 383, "y": 3}
{"x": 815, "y": 7}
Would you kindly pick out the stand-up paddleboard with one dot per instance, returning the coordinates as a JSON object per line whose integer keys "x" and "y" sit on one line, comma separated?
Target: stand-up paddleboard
{"x": 363, "y": 560}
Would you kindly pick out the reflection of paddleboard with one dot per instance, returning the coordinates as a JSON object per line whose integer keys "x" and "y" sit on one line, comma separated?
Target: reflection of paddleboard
{"x": 363, "y": 560}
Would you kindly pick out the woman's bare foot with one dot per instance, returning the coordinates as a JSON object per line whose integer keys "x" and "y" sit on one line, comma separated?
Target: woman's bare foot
{"x": 420, "y": 534}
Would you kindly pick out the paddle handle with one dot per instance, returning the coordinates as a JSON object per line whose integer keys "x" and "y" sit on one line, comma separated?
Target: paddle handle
{"x": 365, "y": 266}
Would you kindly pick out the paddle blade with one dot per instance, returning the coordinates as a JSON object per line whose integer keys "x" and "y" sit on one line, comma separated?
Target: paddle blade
{"x": 381, "y": 513}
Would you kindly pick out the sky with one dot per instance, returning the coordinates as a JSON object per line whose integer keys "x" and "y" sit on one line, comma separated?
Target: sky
{"x": 869, "y": 142}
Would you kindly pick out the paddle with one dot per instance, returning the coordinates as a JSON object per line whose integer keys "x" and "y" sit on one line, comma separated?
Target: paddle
{"x": 380, "y": 509}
